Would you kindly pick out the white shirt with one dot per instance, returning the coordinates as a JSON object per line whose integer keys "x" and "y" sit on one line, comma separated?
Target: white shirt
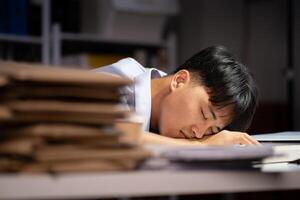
{"x": 138, "y": 95}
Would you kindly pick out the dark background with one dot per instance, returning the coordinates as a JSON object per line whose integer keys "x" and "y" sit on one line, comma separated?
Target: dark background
{"x": 264, "y": 34}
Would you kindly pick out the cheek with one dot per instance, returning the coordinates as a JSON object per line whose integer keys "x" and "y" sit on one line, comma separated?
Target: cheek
{"x": 176, "y": 113}
{"x": 169, "y": 116}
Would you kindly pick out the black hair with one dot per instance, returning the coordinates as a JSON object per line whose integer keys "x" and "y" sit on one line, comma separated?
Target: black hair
{"x": 228, "y": 81}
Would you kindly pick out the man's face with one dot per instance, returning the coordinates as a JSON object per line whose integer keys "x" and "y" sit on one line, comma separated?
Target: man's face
{"x": 187, "y": 113}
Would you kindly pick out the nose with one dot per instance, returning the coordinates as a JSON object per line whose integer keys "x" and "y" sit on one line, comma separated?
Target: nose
{"x": 198, "y": 131}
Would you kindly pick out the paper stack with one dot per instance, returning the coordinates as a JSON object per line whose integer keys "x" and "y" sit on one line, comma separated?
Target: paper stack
{"x": 62, "y": 120}
{"x": 207, "y": 157}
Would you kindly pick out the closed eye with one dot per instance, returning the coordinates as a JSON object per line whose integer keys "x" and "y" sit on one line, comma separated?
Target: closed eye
{"x": 203, "y": 114}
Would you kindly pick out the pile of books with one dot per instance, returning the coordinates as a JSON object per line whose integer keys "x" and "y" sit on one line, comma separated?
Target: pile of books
{"x": 62, "y": 120}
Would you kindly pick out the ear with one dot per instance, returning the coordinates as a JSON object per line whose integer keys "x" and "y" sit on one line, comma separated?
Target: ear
{"x": 180, "y": 79}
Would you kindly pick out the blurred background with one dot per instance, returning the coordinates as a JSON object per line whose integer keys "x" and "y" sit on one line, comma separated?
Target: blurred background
{"x": 264, "y": 34}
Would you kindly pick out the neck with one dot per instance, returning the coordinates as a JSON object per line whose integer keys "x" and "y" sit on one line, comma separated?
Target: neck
{"x": 159, "y": 89}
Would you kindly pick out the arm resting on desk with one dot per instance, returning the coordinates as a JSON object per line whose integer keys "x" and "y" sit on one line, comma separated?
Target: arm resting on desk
{"x": 135, "y": 134}
{"x": 222, "y": 138}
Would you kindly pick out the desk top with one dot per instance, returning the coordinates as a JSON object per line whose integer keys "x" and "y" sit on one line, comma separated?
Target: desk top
{"x": 145, "y": 183}
{"x": 273, "y": 176}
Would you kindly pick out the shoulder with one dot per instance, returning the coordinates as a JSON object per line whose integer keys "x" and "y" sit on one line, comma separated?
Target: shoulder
{"x": 127, "y": 67}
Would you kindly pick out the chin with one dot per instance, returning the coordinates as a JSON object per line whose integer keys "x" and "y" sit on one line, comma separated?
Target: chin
{"x": 168, "y": 133}
{"x": 163, "y": 132}
{"x": 166, "y": 130}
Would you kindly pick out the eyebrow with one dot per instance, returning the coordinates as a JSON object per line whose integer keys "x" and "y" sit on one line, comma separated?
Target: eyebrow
{"x": 203, "y": 114}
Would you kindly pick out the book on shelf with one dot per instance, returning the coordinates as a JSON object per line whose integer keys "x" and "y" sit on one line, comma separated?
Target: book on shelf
{"x": 14, "y": 17}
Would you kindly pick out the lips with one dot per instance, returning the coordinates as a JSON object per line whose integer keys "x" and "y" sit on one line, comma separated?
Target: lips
{"x": 185, "y": 135}
{"x": 182, "y": 133}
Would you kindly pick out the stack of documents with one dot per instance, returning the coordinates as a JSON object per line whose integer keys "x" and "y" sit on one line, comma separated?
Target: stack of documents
{"x": 286, "y": 136}
{"x": 62, "y": 120}
{"x": 287, "y": 158}
{"x": 212, "y": 157}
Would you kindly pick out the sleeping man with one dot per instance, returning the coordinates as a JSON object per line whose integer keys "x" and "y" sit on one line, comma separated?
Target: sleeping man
{"x": 209, "y": 100}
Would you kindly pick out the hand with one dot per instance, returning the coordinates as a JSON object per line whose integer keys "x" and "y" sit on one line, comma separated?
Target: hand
{"x": 225, "y": 137}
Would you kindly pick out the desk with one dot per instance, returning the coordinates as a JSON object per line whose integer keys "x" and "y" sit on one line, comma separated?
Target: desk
{"x": 280, "y": 176}
{"x": 143, "y": 183}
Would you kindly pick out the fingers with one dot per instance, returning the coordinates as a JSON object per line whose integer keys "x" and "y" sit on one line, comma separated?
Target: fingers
{"x": 225, "y": 138}
{"x": 251, "y": 140}
{"x": 240, "y": 138}
{"x": 246, "y": 139}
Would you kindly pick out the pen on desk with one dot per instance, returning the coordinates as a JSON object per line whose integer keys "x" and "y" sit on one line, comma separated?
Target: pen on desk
{"x": 296, "y": 161}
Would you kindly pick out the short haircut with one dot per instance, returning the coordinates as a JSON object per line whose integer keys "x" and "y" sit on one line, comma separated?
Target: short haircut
{"x": 229, "y": 83}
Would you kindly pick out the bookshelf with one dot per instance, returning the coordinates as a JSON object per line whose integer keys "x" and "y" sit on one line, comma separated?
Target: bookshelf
{"x": 20, "y": 39}
{"x": 41, "y": 43}
{"x": 54, "y": 43}
{"x": 72, "y": 43}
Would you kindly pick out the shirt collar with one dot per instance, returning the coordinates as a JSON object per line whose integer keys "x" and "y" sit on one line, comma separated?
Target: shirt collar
{"x": 143, "y": 94}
